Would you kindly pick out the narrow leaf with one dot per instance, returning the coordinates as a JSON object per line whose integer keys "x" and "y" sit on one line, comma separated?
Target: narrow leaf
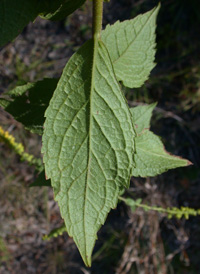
{"x": 142, "y": 116}
{"x": 151, "y": 158}
{"x": 14, "y": 16}
{"x": 62, "y": 10}
{"x": 131, "y": 45}
{"x": 88, "y": 144}
{"x": 28, "y": 103}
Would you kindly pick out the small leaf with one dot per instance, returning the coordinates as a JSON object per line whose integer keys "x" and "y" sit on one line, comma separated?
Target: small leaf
{"x": 62, "y": 10}
{"x": 142, "y": 116}
{"x": 131, "y": 45}
{"x": 41, "y": 180}
{"x": 14, "y": 16}
{"x": 28, "y": 103}
{"x": 88, "y": 143}
{"x": 151, "y": 158}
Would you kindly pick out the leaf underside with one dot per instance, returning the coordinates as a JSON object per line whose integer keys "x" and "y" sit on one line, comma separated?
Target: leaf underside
{"x": 150, "y": 156}
{"x": 141, "y": 116}
{"x": 131, "y": 45}
{"x": 88, "y": 144}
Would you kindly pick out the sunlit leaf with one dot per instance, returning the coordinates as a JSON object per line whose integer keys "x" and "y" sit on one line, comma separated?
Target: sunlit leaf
{"x": 151, "y": 158}
{"x": 131, "y": 45}
{"x": 88, "y": 144}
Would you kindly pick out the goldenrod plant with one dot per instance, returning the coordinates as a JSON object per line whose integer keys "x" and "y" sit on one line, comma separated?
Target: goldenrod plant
{"x": 183, "y": 212}
{"x": 9, "y": 139}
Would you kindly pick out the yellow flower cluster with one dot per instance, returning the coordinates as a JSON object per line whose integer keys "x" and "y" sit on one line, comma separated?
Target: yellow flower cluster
{"x": 55, "y": 232}
{"x": 7, "y": 138}
{"x": 185, "y": 212}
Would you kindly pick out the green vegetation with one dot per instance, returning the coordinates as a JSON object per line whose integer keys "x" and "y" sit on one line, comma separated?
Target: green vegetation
{"x": 92, "y": 141}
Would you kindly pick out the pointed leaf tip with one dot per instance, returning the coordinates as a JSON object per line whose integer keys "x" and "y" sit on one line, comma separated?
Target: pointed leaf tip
{"x": 152, "y": 158}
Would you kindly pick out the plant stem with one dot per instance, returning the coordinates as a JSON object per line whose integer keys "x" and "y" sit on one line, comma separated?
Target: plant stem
{"x": 172, "y": 212}
{"x": 97, "y": 17}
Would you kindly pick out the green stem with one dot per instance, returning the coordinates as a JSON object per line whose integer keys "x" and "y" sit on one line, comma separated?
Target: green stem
{"x": 174, "y": 211}
{"x": 97, "y": 17}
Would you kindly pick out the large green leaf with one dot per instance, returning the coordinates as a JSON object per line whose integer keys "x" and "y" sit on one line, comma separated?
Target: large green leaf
{"x": 27, "y": 103}
{"x": 14, "y": 16}
{"x": 88, "y": 144}
{"x": 62, "y": 8}
{"x": 131, "y": 45}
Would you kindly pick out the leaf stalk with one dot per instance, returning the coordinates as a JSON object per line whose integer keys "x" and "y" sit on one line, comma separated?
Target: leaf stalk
{"x": 97, "y": 18}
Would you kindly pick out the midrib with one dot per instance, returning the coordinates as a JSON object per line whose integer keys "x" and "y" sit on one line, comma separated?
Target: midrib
{"x": 95, "y": 49}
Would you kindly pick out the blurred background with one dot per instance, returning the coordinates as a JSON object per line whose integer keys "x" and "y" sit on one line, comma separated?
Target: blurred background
{"x": 129, "y": 242}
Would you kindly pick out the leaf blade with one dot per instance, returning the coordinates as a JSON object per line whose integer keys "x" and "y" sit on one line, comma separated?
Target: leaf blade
{"x": 131, "y": 45}
{"x": 88, "y": 156}
{"x": 151, "y": 158}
